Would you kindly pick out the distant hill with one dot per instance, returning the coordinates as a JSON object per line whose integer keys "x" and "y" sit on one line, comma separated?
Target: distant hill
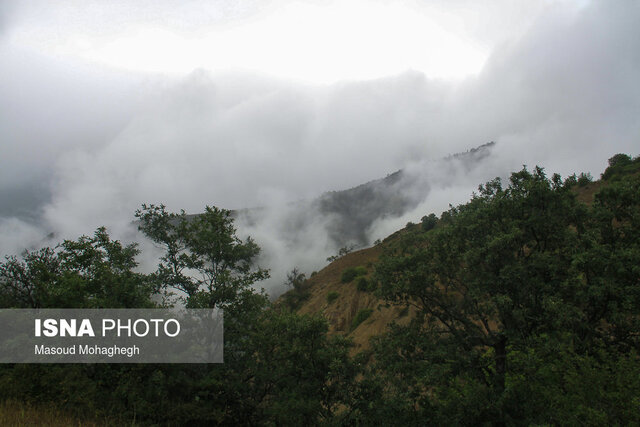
{"x": 354, "y": 210}
{"x": 347, "y": 215}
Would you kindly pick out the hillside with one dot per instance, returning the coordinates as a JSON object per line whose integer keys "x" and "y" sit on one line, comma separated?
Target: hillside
{"x": 354, "y": 210}
{"x": 346, "y": 216}
{"x": 341, "y": 311}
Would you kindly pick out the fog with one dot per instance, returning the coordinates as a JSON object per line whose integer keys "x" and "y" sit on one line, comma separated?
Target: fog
{"x": 84, "y": 143}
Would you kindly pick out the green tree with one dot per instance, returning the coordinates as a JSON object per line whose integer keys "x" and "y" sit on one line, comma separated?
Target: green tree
{"x": 279, "y": 368}
{"x": 300, "y": 375}
{"x": 206, "y": 244}
{"x": 621, "y": 164}
{"x": 609, "y": 264}
{"x": 91, "y": 272}
{"x": 429, "y": 222}
{"x": 298, "y": 292}
{"x": 514, "y": 271}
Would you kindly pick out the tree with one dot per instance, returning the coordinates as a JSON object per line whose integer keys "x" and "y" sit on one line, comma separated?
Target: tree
{"x": 609, "y": 263}
{"x": 621, "y": 164}
{"x": 342, "y": 252}
{"x": 279, "y": 368}
{"x": 91, "y": 272}
{"x": 501, "y": 278}
{"x": 298, "y": 289}
{"x": 206, "y": 244}
{"x": 299, "y": 374}
{"x": 429, "y": 222}
{"x": 619, "y": 159}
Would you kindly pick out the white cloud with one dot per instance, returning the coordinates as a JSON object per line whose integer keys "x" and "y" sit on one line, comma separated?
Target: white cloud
{"x": 563, "y": 95}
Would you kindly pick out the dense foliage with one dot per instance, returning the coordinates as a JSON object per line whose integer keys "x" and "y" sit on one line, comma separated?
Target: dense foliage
{"x": 528, "y": 309}
{"x": 280, "y": 368}
{"x": 526, "y": 302}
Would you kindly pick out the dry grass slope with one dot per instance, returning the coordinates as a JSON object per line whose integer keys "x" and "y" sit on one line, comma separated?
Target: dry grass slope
{"x": 341, "y": 312}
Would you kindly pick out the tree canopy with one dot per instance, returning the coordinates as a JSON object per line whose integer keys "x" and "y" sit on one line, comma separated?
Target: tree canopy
{"x": 520, "y": 279}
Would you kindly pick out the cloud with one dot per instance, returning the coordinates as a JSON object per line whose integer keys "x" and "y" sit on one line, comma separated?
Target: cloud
{"x": 563, "y": 95}
{"x": 6, "y": 11}
{"x": 50, "y": 108}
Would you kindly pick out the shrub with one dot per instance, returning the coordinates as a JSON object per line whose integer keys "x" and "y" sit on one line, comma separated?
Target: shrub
{"x": 360, "y": 270}
{"x": 362, "y": 284}
{"x": 362, "y": 315}
{"x": 332, "y": 296}
{"x": 429, "y": 222}
{"x": 584, "y": 179}
{"x": 621, "y": 164}
{"x": 348, "y": 275}
{"x": 366, "y": 285}
{"x": 351, "y": 273}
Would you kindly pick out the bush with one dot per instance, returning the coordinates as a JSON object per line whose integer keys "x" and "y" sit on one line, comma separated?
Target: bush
{"x": 584, "y": 179}
{"x": 366, "y": 285}
{"x": 332, "y": 296}
{"x": 362, "y": 284}
{"x": 362, "y": 315}
{"x": 351, "y": 273}
{"x": 299, "y": 292}
{"x": 348, "y": 275}
{"x": 429, "y": 222}
{"x": 621, "y": 164}
{"x": 360, "y": 271}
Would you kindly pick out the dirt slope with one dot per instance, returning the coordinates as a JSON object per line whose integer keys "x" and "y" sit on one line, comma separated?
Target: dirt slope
{"x": 341, "y": 311}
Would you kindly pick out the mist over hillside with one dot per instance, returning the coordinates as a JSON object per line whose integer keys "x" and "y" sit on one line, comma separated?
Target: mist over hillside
{"x": 86, "y": 142}
{"x": 354, "y": 211}
{"x": 304, "y": 233}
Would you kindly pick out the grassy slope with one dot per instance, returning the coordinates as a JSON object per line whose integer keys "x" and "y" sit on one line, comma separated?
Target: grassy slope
{"x": 341, "y": 312}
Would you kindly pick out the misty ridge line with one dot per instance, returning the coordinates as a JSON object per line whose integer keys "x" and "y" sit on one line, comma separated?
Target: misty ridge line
{"x": 303, "y": 234}
{"x": 364, "y": 203}
{"x": 308, "y": 231}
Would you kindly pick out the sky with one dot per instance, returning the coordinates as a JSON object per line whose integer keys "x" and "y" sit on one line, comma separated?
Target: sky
{"x": 107, "y": 105}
